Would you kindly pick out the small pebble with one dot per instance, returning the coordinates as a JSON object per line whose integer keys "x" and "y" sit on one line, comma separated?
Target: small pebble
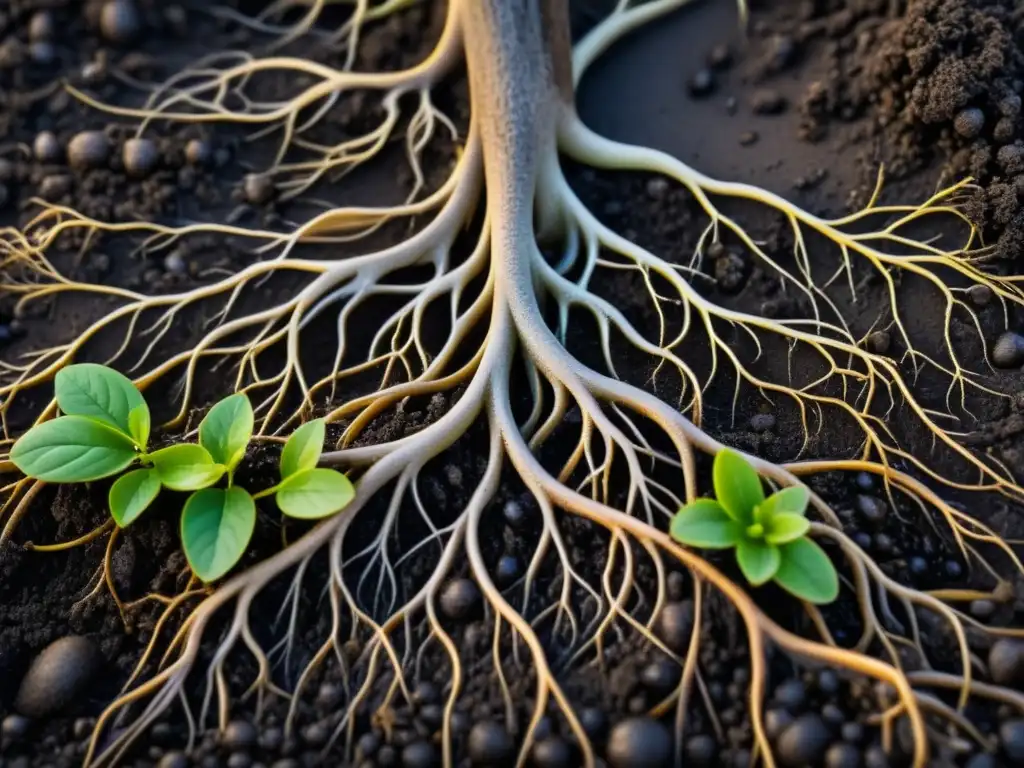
{"x": 791, "y": 695}
{"x": 120, "y": 21}
{"x": 675, "y": 586}
{"x": 639, "y": 742}
{"x": 776, "y": 721}
{"x": 767, "y": 101}
{"x": 762, "y": 422}
{"x": 426, "y": 692}
{"x": 258, "y": 188}
{"x": 489, "y": 744}
{"x": 1008, "y": 351}
{"x": 862, "y": 539}
{"x": 316, "y": 734}
{"x": 1011, "y": 158}
{"x": 459, "y": 598}
{"x": 969, "y": 122}
{"x": 1009, "y": 106}
{"x": 509, "y": 569}
{"x": 980, "y": 295}
{"x": 594, "y": 722}
{"x": 1006, "y": 662}
{"x": 42, "y": 52}
{"x": 875, "y": 757}
{"x": 918, "y": 565}
{"x": 515, "y": 513}
{"x": 367, "y": 746}
{"x": 883, "y": 543}
{"x": 660, "y": 676}
{"x": 852, "y": 732}
{"x": 674, "y": 624}
{"x": 14, "y": 727}
{"x": 198, "y": 152}
{"x": 1011, "y": 734}
{"x": 701, "y": 84}
{"x": 431, "y": 715}
{"x": 239, "y": 734}
{"x": 239, "y": 760}
{"x": 140, "y": 156}
{"x": 782, "y": 53}
{"x": 41, "y": 26}
{"x": 551, "y": 752}
{"x": 46, "y": 148}
{"x": 1005, "y": 130}
{"x": 720, "y": 57}
{"x": 747, "y": 138}
{"x": 828, "y": 682}
{"x": 57, "y": 676}
{"x": 173, "y": 760}
{"x": 953, "y": 569}
{"x": 420, "y": 754}
{"x": 842, "y": 756}
{"x": 804, "y": 742}
{"x": 871, "y": 508}
{"x": 865, "y": 481}
{"x": 174, "y": 263}
{"x": 701, "y": 751}
{"x": 88, "y": 149}
{"x": 879, "y": 342}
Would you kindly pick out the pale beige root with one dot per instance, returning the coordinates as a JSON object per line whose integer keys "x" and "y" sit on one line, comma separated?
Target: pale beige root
{"x": 521, "y": 121}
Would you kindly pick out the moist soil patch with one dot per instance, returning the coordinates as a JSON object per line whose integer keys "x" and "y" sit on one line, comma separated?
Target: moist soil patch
{"x": 808, "y": 103}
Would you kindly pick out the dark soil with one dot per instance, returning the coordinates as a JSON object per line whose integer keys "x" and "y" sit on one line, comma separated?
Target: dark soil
{"x": 808, "y": 105}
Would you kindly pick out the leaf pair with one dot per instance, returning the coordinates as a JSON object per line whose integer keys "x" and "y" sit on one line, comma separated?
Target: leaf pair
{"x": 106, "y": 427}
{"x": 306, "y": 491}
{"x": 769, "y": 534}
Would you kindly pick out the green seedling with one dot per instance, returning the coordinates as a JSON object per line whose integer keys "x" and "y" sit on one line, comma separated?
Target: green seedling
{"x": 105, "y": 430}
{"x": 769, "y": 534}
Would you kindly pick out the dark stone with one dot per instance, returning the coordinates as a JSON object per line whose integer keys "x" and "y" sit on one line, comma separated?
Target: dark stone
{"x": 660, "y": 676}
{"x": 271, "y": 739}
{"x": 42, "y": 52}
{"x": 258, "y": 188}
{"x": 804, "y": 742}
{"x": 862, "y": 539}
{"x": 701, "y": 751}
{"x": 980, "y": 295}
{"x": 875, "y": 757}
{"x": 842, "y": 756}
{"x": 140, "y": 156}
{"x": 594, "y": 723}
{"x": 828, "y": 682}
{"x": 239, "y": 734}
{"x": 762, "y": 422}
{"x": 198, "y": 152}
{"x": 1011, "y": 734}
{"x": 852, "y": 732}
{"x": 432, "y": 716}
{"x": 14, "y": 727}
{"x": 883, "y": 543}
{"x": 747, "y": 138}
{"x": 701, "y": 84}
{"x": 720, "y": 57}
{"x": 1011, "y": 158}
{"x": 1008, "y": 351}
{"x": 509, "y": 569}
{"x": 426, "y": 692}
{"x": 316, "y": 734}
{"x": 174, "y": 263}
{"x": 55, "y": 186}
{"x": 1005, "y": 130}
{"x": 969, "y": 122}
{"x": 782, "y": 53}
{"x": 490, "y": 745}
{"x": 639, "y": 742}
{"x": 515, "y": 513}
{"x": 41, "y": 26}
{"x": 173, "y": 760}
{"x": 674, "y": 625}
{"x": 879, "y": 342}
{"x": 552, "y": 752}
{"x": 367, "y": 746}
{"x": 387, "y": 756}
{"x": 57, "y": 676}
{"x": 767, "y": 101}
{"x": 1009, "y": 105}
{"x": 675, "y": 586}
{"x": 791, "y": 694}
{"x": 918, "y": 565}
{"x": 871, "y": 508}
{"x": 88, "y": 149}
{"x": 46, "y": 148}
{"x": 420, "y": 754}
{"x": 776, "y": 721}
{"x": 1006, "y": 662}
{"x": 460, "y": 598}
{"x": 120, "y": 21}
{"x": 239, "y": 760}
{"x": 865, "y": 481}
{"x": 953, "y": 569}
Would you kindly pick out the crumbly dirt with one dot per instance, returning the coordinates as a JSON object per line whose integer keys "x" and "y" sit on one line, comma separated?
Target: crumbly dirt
{"x": 808, "y": 105}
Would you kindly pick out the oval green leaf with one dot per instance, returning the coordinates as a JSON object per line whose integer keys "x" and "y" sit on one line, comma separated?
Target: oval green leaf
{"x": 703, "y": 523}
{"x": 216, "y": 525}
{"x": 131, "y": 494}
{"x": 314, "y": 493}
{"x": 226, "y": 430}
{"x": 788, "y": 501}
{"x": 72, "y": 449}
{"x": 98, "y": 392}
{"x": 785, "y": 527}
{"x": 758, "y": 560}
{"x": 139, "y": 425}
{"x": 737, "y": 486}
{"x": 302, "y": 451}
{"x": 807, "y": 572}
{"x": 186, "y": 467}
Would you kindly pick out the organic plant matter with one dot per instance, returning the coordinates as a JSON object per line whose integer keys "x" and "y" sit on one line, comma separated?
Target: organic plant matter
{"x": 769, "y": 534}
{"x": 528, "y": 283}
{"x": 106, "y": 430}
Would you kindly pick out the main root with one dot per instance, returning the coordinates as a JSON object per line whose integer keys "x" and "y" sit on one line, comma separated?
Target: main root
{"x": 517, "y": 299}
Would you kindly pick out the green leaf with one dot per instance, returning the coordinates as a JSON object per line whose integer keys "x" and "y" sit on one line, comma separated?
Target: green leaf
{"x": 226, "y": 430}
{"x": 99, "y": 393}
{"x": 703, "y": 523}
{"x": 216, "y": 525}
{"x": 302, "y": 451}
{"x": 788, "y": 501}
{"x": 131, "y": 494}
{"x": 737, "y": 486}
{"x": 314, "y": 493}
{"x": 758, "y": 561}
{"x": 781, "y": 528}
{"x": 186, "y": 467}
{"x": 807, "y": 572}
{"x": 72, "y": 449}
{"x": 138, "y": 425}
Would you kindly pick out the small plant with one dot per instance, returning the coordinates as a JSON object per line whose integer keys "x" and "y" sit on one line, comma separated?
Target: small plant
{"x": 105, "y": 430}
{"x": 769, "y": 534}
